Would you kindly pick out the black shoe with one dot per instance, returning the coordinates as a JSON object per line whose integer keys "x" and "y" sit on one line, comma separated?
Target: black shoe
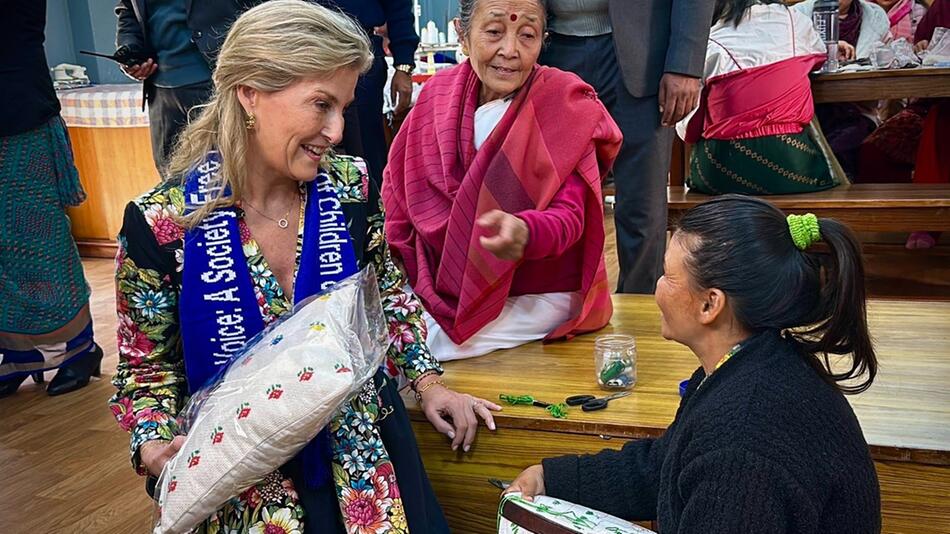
{"x": 76, "y": 374}
{"x": 8, "y": 386}
{"x": 11, "y": 385}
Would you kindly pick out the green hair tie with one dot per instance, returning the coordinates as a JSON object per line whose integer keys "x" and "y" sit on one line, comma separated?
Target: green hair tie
{"x": 804, "y": 229}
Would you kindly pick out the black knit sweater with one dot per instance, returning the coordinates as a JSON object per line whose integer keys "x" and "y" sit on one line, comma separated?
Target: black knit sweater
{"x": 764, "y": 446}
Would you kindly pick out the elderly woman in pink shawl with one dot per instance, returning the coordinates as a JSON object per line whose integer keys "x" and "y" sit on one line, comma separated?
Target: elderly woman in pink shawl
{"x": 492, "y": 192}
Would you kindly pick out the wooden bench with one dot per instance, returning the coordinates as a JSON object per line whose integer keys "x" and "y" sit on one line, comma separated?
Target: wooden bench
{"x": 905, "y": 415}
{"x": 863, "y": 207}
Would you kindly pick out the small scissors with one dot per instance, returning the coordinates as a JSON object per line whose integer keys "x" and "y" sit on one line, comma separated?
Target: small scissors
{"x": 590, "y": 403}
{"x": 500, "y": 484}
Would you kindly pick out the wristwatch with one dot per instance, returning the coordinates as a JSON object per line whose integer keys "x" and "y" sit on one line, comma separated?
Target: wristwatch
{"x": 405, "y": 68}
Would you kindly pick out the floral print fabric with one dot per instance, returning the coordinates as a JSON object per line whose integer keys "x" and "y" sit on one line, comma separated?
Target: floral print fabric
{"x": 150, "y": 377}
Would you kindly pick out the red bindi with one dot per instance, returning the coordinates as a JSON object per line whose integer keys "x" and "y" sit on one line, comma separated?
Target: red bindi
{"x": 514, "y": 17}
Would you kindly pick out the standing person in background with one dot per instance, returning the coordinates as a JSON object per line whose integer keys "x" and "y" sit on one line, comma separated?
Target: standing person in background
{"x": 180, "y": 41}
{"x": 44, "y": 298}
{"x": 644, "y": 58}
{"x": 364, "y": 135}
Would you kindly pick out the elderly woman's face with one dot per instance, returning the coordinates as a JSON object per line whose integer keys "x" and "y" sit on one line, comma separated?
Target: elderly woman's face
{"x": 298, "y": 124}
{"x": 680, "y": 306}
{"x": 503, "y": 44}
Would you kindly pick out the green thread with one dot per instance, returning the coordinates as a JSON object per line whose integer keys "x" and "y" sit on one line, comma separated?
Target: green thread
{"x": 516, "y": 399}
{"x": 804, "y": 230}
{"x": 558, "y": 411}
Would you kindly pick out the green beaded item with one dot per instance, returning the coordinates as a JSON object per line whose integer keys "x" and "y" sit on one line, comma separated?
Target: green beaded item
{"x": 516, "y": 399}
{"x": 558, "y": 411}
{"x": 804, "y": 230}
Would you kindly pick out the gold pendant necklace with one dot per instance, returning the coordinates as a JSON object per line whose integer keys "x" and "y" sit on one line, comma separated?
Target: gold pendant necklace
{"x": 282, "y": 222}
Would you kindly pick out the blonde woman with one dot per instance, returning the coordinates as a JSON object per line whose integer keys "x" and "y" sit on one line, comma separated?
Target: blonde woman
{"x": 258, "y": 192}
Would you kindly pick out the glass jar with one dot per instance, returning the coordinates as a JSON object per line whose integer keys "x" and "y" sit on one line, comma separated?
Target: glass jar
{"x": 615, "y": 361}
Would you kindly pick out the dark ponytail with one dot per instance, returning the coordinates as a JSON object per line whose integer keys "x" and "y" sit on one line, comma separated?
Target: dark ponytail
{"x": 743, "y": 246}
{"x": 733, "y": 11}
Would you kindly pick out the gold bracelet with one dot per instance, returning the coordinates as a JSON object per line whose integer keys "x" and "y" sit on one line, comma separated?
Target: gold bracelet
{"x": 420, "y": 377}
{"x": 423, "y": 389}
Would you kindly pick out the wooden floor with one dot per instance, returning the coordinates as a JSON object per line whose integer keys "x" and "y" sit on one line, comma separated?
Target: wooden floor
{"x": 64, "y": 460}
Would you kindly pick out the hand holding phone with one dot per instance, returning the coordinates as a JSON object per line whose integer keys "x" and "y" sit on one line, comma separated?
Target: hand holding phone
{"x": 134, "y": 63}
{"x": 141, "y": 71}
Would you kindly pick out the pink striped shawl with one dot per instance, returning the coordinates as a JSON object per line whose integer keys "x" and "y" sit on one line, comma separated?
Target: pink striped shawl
{"x": 436, "y": 185}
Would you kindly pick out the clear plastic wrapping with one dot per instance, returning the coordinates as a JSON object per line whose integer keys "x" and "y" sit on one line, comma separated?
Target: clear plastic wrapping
{"x": 272, "y": 399}
{"x": 897, "y": 54}
{"x": 938, "y": 50}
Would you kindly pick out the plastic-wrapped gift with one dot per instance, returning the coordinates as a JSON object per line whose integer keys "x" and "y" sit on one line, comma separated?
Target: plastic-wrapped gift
{"x": 547, "y": 514}
{"x": 272, "y": 399}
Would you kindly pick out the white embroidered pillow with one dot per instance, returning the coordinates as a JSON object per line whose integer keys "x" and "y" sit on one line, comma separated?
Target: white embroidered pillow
{"x": 268, "y": 405}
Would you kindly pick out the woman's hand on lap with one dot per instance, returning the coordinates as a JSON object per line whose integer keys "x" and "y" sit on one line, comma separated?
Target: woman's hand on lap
{"x": 529, "y": 483}
{"x": 510, "y": 235}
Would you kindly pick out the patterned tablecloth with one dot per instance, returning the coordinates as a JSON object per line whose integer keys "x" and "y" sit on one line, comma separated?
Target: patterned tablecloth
{"x": 104, "y": 106}
{"x": 573, "y": 517}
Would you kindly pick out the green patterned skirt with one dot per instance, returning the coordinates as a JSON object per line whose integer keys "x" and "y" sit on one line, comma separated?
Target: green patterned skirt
{"x": 42, "y": 286}
{"x": 771, "y": 165}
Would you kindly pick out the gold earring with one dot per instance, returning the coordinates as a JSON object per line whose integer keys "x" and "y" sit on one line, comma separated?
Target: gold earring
{"x": 250, "y": 121}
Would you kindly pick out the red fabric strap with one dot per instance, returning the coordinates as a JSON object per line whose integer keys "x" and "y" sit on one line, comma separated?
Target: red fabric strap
{"x": 770, "y": 99}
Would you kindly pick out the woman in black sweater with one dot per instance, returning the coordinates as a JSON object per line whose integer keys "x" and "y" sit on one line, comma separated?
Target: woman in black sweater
{"x": 763, "y": 440}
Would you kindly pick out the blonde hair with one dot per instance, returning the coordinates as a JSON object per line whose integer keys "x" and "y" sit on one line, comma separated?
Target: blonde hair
{"x": 268, "y": 48}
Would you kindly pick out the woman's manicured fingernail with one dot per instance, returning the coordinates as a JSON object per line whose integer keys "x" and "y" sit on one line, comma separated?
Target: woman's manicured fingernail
{"x": 466, "y": 448}
{"x": 451, "y": 435}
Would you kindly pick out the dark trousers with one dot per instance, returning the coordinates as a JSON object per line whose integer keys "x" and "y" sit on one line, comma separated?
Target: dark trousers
{"x": 845, "y": 127}
{"x": 641, "y": 172}
{"x": 363, "y": 135}
{"x": 168, "y": 113}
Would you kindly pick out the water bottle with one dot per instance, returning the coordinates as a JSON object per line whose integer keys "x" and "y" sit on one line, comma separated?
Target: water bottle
{"x": 825, "y": 18}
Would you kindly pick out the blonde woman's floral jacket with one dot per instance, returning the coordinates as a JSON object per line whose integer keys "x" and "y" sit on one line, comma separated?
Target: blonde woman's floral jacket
{"x": 150, "y": 378}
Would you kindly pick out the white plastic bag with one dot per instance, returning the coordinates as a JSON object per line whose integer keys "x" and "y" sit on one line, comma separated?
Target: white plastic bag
{"x": 896, "y": 54}
{"x": 938, "y": 51}
{"x": 272, "y": 399}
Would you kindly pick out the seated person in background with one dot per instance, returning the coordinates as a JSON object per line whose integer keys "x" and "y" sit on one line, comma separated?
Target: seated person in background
{"x": 493, "y": 191}
{"x": 905, "y": 148}
{"x": 863, "y": 25}
{"x": 904, "y": 15}
{"x": 763, "y": 440}
{"x": 749, "y": 130}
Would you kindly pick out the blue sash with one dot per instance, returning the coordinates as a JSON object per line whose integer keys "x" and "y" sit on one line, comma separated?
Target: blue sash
{"x": 218, "y": 309}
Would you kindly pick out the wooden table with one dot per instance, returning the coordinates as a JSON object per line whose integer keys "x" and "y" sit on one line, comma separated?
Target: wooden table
{"x": 921, "y": 82}
{"x": 905, "y": 415}
{"x": 863, "y": 207}
{"x": 115, "y": 166}
{"x": 112, "y": 149}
